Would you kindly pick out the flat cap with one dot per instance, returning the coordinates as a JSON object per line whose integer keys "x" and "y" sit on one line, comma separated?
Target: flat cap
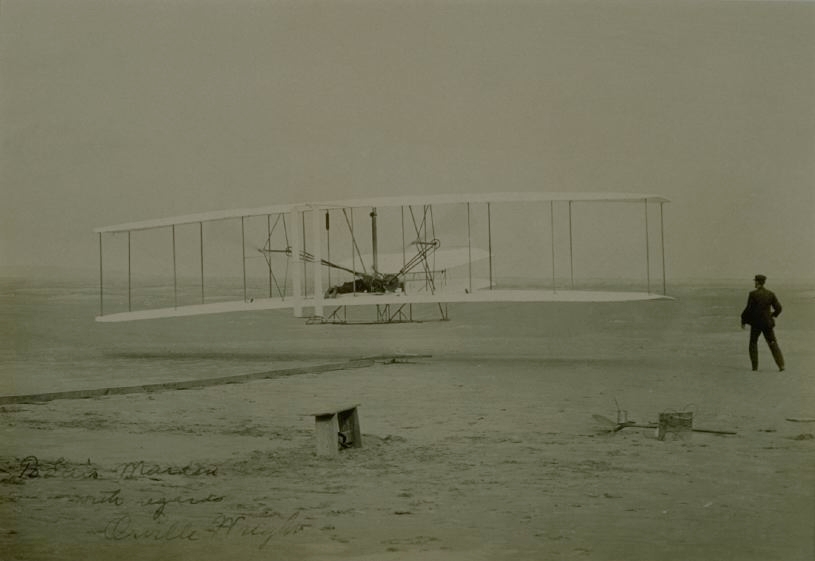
{"x": 760, "y": 278}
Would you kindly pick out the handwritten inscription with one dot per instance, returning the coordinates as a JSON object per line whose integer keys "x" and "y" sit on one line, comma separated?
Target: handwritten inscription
{"x": 168, "y": 517}
{"x": 162, "y": 502}
{"x": 141, "y": 468}
{"x": 122, "y": 528}
{"x": 105, "y": 498}
{"x": 244, "y": 526}
{"x": 32, "y": 467}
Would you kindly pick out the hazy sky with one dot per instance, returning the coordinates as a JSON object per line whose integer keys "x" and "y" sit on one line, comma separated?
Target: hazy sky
{"x": 115, "y": 111}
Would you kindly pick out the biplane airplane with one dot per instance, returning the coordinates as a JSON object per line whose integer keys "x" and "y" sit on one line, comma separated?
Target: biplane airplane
{"x": 319, "y": 259}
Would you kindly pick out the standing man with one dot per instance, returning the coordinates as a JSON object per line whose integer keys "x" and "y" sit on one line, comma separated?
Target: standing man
{"x": 762, "y": 309}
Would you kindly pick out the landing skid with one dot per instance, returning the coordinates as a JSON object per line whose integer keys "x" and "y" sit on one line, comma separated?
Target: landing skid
{"x": 385, "y": 313}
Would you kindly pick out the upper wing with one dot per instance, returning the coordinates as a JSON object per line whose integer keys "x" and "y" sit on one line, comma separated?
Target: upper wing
{"x": 482, "y": 198}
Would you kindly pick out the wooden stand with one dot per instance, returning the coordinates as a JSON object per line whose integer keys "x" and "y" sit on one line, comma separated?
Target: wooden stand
{"x": 337, "y": 429}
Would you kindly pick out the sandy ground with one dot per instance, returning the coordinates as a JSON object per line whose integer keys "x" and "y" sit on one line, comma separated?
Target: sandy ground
{"x": 444, "y": 473}
{"x": 464, "y": 457}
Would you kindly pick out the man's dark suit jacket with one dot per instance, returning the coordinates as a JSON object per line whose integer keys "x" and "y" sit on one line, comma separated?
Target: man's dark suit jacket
{"x": 759, "y": 303}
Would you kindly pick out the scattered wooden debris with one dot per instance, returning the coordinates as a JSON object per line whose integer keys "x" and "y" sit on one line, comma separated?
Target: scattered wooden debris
{"x": 672, "y": 422}
{"x": 396, "y": 358}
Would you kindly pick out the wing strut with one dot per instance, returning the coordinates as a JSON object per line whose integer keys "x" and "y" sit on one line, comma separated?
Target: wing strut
{"x": 647, "y": 249}
{"x": 303, "y": 241}
{"x": 404, "y": 252}
{"x": 552, "y": 231}
{"x": 201, "y": 244}
{"x": 129, "y": 303}
{"x": 571, "y": 250}
{"x": 317, "y": 270}
{"x": 295, "y": 270}
{"x": 489, "y": 239}
{"x": 662, "y": 242}
{"x": 101, "y": 279}
{"x": 269, "y": 241}
{"x": 175, "y": 274}
{"x": 243, "y": 255}
{"x": 469, "y": 251}
{"x": 328, "y": 240}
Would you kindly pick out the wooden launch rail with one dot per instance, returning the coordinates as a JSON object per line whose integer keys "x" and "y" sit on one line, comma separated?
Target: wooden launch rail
{"x": 185, "y": 385}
